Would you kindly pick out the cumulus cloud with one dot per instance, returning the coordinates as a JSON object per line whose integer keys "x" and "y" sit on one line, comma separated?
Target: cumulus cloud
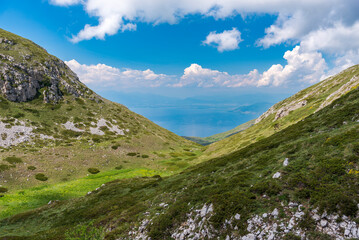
{"x": 225, "y": 41}
{"x": 307, "y": 67}
{"x": 336, "y": 39}
{"x": 296, "y": 20}
{"x": 301, "y": 68}
{"x": 104, "y": 76}
{"x": 196, "y": 76}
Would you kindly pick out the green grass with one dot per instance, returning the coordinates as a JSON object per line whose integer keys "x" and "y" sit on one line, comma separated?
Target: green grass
{"x": 217, "y": 137}
{"x": 27, "y": 199}
{"x": 315, "y": 96}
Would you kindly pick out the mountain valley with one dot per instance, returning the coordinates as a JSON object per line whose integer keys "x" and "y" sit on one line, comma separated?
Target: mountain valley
{"x": 73, "y": 164}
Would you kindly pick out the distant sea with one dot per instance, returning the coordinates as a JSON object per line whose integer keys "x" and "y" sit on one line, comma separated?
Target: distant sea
{"x": 199, "y": 116}
{"x": 199, "y": 122}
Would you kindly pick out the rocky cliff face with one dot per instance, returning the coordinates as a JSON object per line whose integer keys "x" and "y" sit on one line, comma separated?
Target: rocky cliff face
{"x": 27, "y": 71}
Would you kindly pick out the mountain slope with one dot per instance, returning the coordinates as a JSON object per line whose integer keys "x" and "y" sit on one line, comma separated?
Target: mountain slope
{"x": 52, "y": 124}
{"x": 299, "y": 183}
{"x": 220, "y": 136}
{"x": 289, "y": 111}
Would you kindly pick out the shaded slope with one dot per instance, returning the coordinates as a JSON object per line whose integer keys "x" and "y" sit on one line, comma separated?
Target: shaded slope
{"x": 322, "y": 175}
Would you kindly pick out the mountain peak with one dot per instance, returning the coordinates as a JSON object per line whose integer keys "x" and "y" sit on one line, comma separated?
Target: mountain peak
{"x": 28, "y": 72}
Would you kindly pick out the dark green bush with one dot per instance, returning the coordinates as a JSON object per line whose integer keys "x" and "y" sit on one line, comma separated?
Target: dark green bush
{"x": 19, "y": 115}
{"x": 4, "y": 104}
{"x": 41, "y": 177}
{"x": 131, "y": 154}
{"x": 71, "y": 134}
{"x": 119, "y": 167}
{"x": 80, "y": 101}
{"x": 144, "y": 156}
{"x": 104, "y": 128}
{"x": 33, "y": 111}
{"x": 3, "y": 190}
{"x": 93, "y": 170}
{"x": 77, "y": 120}
{"x": 291, "y": 236}
{"x": 96, "y": 139}
{"x": 115, "y": 147}
{"x": 85, "y": 232}
{"x": 13, "y": 160}
{"x": 269, "y": 187}
{"x": 4, "y": 167}
{"x": 32, "y": 168}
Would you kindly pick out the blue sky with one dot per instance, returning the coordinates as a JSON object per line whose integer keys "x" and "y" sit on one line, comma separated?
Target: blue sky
{"x": 211, "y": 49}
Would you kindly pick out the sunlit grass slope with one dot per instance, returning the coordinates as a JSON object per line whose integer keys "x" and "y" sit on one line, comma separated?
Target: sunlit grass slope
{"x": 289, "y": 111}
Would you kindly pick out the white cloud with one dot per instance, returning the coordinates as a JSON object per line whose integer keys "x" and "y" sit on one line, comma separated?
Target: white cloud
{"x": 301, "y": 68}
{"x": 103, "y": 76}
{"x": 337, "y": 39}
{"x": 65, "y": 2}
{"x": 307, "y": 67}
{"x": 296, "y": 20}
{"x": 196, "y": 76}
{"x": 225, "y": 41}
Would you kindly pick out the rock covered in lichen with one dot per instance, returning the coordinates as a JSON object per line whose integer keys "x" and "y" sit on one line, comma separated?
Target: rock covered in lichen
{"x": 27, "y": 71}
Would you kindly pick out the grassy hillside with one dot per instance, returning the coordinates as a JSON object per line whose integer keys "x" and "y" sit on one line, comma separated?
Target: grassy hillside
{"x": 288, "y": 112}
{"x": 54, "y": 130}
{"x": 220, "y": 136}
{"x": 313, "y": 162}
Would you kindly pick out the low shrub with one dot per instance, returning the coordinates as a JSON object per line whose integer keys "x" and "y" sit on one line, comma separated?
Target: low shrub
{"x": 13, "y": 160}
{"x": 93, "y": 170}
{"x": 131, "y": 154}
{"x": 80, "y": 101}
{"x": 71, "y": 134}
{"x": 96, "y": 139}
{"x": 19, "y": 115}
{"x": 3, "y": 190}
{"x": 4, "y": 167}
{"x": 291, "y": 236}
{"x": 85, "y": 232}
{"x": 119, "y": 167}
{"x": 32, "y": 168}
{"x": 144, "y": 156}
{"x": 104, "y": 128}
{"x": 41, "y": 177}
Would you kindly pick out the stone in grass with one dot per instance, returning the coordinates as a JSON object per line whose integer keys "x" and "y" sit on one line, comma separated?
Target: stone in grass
{"x": 41, "y": 177}
{"x": 276, "y": 175}
{"x": 286, "y": 162}
{"x": 93, "y": 170}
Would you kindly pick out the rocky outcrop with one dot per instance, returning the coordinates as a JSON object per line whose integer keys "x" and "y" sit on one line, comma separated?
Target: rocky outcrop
{"x": 284, "y": 111}
{"x": 13, "y": 135}
{"x": 24, "y": 75}
{"x": 20, "y": 82}
{"x": 287, "y": 220}
{"x": 352, "y": 84}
